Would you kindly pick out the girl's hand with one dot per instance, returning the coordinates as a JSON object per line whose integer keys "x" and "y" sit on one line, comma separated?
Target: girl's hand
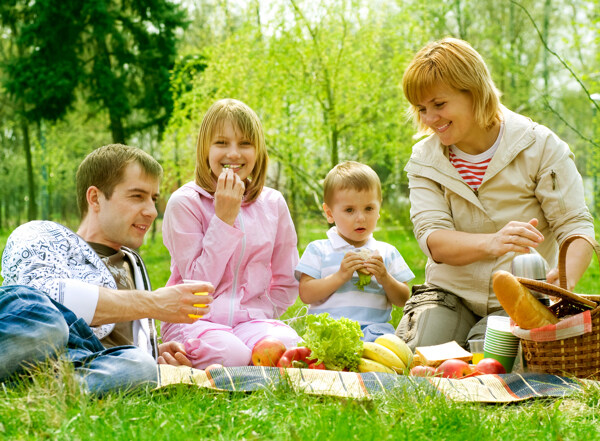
{"x": 173, "y": 353}
{"x": 350, "y": 263}
{"x": 515, "y": 236}
{"x": 228, "y": 196}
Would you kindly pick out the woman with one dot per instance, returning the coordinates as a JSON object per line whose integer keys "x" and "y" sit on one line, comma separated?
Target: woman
{"x": 485, "y": 185}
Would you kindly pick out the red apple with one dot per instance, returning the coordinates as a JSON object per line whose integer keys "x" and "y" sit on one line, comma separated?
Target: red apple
{"x": 453, "y": 368}
{"x": 490, "y": 366}
{"x": 423, "y": 371}
{"x": 267, "y": 352}
{"x": 213, "y": 366}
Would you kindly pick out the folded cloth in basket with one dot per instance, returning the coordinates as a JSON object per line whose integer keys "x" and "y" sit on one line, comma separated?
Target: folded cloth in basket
{"x": 573, "y": 326}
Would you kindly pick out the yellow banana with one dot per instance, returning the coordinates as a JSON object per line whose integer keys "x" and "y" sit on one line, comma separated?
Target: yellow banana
{"x": 383, "y": 355}
{"x": 366, "y": 365}
{"x": 397, "y": 346}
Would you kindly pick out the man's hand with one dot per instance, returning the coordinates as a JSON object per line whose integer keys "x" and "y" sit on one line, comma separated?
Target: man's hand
{"x": 173, "y": 353}
{"x": 175, "y": 304}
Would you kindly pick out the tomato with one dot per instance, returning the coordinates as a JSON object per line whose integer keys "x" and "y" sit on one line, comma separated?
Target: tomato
{"x": 299, "y": 358}
{"x": 316, "y": 365}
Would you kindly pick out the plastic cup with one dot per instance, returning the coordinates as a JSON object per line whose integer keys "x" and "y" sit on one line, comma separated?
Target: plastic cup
{"x": 476, "y": 348}
{"x": 506, "y": 361}
{"x": 197, "y": 305}
{"x": 500, "y": 343}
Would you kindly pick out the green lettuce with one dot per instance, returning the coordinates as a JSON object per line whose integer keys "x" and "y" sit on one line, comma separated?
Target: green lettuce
{"x": 337, "y": 343}
{"x": 363, "y": 280}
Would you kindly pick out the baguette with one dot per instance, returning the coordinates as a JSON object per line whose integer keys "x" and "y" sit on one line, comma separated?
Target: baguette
{"x": 525, "y": 310}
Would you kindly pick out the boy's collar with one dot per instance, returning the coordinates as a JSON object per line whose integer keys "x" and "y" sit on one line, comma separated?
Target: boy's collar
{"x": 339, "y": 243}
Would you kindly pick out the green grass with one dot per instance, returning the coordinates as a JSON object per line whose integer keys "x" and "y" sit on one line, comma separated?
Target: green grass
{"x": 49, "y": 405}
{"x": 48, "y": 408}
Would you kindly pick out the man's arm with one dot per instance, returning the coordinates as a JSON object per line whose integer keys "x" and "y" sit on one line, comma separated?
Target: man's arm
{"x": 171, "y": 304}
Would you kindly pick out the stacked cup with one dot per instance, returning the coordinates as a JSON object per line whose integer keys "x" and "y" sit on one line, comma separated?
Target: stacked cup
{"x": 499, "y": 342}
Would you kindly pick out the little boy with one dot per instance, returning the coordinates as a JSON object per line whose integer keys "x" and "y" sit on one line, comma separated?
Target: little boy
{"x": 328, "y": 268}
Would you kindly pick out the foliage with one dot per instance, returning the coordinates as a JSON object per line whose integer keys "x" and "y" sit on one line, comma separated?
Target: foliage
{"x": 336, "y": 343}
{"x": 120, "y": 52}
{"x": 323, "y": 76}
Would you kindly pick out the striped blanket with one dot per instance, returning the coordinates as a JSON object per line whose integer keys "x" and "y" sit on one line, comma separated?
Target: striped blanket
{"x": 484, "y": 388}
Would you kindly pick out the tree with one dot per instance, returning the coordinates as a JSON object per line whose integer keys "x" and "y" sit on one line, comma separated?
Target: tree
{"x": 118, "y": 53}
{"x": 325, "y": 81}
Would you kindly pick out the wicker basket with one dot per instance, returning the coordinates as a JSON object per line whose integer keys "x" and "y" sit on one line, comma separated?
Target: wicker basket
{"x": 574, "y": 356}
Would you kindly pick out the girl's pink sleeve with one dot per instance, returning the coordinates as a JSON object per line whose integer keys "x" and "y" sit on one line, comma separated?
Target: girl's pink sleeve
{"x": 199, "y": 242}
{"x": 284, "y": 286}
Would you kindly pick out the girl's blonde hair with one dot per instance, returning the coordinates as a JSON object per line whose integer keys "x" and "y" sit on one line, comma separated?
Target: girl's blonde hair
{"x": 245, "y": 120}
{"x": 454, "y": 63}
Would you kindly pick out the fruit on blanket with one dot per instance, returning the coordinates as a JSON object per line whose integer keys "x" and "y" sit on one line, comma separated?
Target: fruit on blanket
{"x": 368, "y": 365}
{"x": 423, "y": 371}
{"x": 295, "y": 357}
{"x": 454, "y": 368}
{"x": 267, "y": 352}
{"x": 397, "y": 346}
{"x": 490, "y": 366}
{"x": 381, "y": 354}
{"x": 317, "y": 365}
{"x": 213, "y": 366}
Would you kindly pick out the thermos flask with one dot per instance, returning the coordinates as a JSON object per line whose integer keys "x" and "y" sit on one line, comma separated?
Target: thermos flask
{"x": 531, "y": 266}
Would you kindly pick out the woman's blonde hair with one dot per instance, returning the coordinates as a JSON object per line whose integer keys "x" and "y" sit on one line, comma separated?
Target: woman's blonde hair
{"x": 455, "y": 63}
{"x": 245, "y": 120}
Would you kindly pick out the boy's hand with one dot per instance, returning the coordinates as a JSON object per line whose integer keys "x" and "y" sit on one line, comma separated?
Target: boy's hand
{"x": 350, "y": 263}
{"x": 376, "y": 267}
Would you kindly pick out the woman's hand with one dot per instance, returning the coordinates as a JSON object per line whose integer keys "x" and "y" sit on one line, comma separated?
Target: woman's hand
{"x": 515, "y": 236}
{"x": 460, "y": 248}
{"x": 228, "y": 196}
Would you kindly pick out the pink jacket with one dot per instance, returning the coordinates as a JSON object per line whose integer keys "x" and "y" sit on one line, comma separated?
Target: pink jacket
{"x": 251, "y": 264}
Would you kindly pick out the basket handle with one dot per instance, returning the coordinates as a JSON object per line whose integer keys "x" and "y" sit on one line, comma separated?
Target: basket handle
{"x": 562, "y": 256}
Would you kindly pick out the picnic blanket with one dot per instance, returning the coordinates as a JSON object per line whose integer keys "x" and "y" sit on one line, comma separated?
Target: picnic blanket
{"x": 573, "y": 326}
{"x": 483, "y": 388}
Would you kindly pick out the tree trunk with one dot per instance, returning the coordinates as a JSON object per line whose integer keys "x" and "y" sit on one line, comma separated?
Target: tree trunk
{"x": 44, "y": 196}
{"x": 31, "y": 206}
{"x": 335, "y": 158}
{"x": 546, "y": 33}
{"x": 116, "y": 125}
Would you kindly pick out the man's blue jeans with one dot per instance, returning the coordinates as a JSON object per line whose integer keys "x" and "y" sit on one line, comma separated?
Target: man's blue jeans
{"x": 33, "y": 328}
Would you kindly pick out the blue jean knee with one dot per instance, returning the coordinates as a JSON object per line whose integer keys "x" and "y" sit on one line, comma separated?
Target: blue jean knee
{"x": 121, "y": 368}
{"x": 374, "y": 330}
{"x": 31, "y": 329}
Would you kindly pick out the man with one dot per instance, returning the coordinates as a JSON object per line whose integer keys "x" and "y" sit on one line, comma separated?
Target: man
{"x": 94, "y": 278}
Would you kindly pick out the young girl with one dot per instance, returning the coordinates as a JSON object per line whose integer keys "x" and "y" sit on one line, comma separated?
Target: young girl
{"x": 230, "y": 230}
